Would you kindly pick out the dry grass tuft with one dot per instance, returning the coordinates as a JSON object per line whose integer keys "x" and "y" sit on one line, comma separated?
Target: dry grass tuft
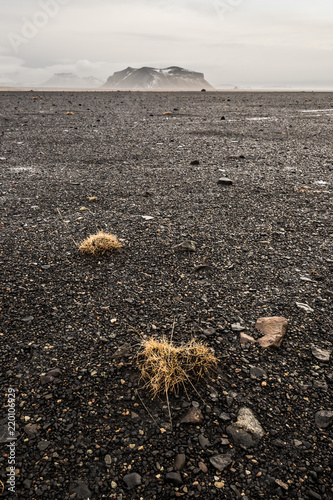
{"x": 166, "y": 366}
{"x": 100, "y": 243}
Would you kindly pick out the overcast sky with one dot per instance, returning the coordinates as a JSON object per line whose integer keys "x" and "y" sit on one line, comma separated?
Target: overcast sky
{"x": 238, "y": 42}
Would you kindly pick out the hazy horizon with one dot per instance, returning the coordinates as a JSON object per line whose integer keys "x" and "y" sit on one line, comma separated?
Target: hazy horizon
{"x": 243, "y": 43}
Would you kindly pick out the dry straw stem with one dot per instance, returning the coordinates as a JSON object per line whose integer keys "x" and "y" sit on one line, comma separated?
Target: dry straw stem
{"x": 100, "y": 243}
{"x": 165, "y": 366}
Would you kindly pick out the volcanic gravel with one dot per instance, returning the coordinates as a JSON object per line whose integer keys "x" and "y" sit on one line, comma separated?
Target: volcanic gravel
{"x": 74, "y": 163}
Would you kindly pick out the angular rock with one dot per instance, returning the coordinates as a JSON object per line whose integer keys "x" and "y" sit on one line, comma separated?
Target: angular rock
{"x": 204, "y": 442}
{"x": 225, "y": 181}
{"x": 324, "y": 419}
{"x": 51, "y": 376}
{"x": 247, "y": 431}
{"x": 274, "y": 329}
{"x": 174, "y": 478}
{"x": 185, "y": 246}
{"x": 180, "y": 461}
{"x": 221, "y": 462}
{"x": 31, "y": 429}
{"x": 132, "y": 480}
{"x": 192, "y": 416}
{"x": 246, "y": 339}
{"x": 82, "y": 491}
{"x": 321, "y": 354}
{"x": 195, "y": 162}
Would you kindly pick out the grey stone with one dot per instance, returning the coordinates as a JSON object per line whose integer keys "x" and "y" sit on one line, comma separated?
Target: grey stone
{"x": 192, "y": 416}
{"x": 185, "y": 246}
{"x": 320, "y": 384}
{"x": 324, "y": 419}
{"x": 31, "y": 429}
{"x": 257, "y": 373}
{"x": 132, "y": 480}
{"x": 221, "y": 462}
{"x": 321, "y": 354}
{"x": 247, "y": 431}
{"x": 83, "y": 492}
{"x": 180, "y": 461}
{"x": 174, "y": 478}
{"x": 204, "y": 442}
{"x": 42, "y": 445}
{"x": 107, "y": 460}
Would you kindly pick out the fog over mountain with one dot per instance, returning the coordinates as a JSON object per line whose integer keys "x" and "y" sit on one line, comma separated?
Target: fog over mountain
{"x": 72, "y": 81}
{"x": 172, "y": 78}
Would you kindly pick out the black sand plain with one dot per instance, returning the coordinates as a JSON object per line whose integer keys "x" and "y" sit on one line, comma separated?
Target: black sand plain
{"x": 263, "y": 244}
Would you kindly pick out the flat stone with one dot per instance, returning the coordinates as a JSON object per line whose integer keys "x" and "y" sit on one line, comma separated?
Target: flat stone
{"x": 321, "y": 354}
{"x": 180, "y": 462}
{"x": 274, "y": 329}
{"x": 42, "y": 445}
{"x": 108, "y": 460}
{"x": 324, "y": 419}
{"x": 185, "y": 246}
{"x": 225, "y": 417}
{"x": 132, "y": 480}
{"x": 246, "y": 339}
{"x": 221, "y": 462}
{"x": 225, "y": 181}
{"x": 304, "y": 307}
{"x": 174, "y": 478}
{"x": 247, "y": 431}
{"x": 192, "y": 416}
{"x": 257, "y": 373}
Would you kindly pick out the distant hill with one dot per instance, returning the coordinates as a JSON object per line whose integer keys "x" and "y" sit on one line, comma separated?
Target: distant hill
{"x": 173, "y": 78}
{"x": 72, "y": 81}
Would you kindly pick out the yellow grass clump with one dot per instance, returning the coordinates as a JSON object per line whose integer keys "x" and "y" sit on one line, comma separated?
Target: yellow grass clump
{"x": 100, "y": 243}
{"x": 165, "y": 366}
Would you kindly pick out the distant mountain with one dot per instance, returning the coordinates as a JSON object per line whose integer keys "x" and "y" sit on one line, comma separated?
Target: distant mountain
{"x": 173, "y": 78}
{"x": 72, "y": 81}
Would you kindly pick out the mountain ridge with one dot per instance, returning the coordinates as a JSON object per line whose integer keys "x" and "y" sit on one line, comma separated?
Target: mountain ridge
{"x": 147, "y": 78}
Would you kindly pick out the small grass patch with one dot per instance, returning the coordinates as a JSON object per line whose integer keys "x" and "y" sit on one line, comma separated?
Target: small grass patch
{"x": 100, "y": 243}
{"x": 166, "y": 366}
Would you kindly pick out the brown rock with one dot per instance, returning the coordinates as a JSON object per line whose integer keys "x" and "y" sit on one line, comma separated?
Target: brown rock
{"x": 246, "y": 339}
{"x": 203, "y": 467}
{"x": 274, "y": 328}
